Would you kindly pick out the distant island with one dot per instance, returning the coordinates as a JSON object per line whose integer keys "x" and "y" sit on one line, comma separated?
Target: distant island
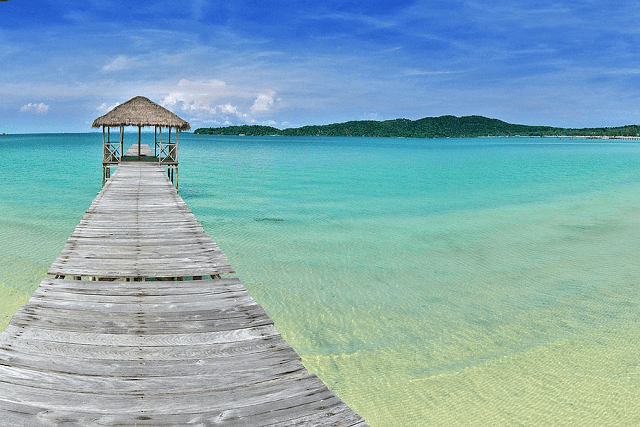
{"x": 428, "y": 127}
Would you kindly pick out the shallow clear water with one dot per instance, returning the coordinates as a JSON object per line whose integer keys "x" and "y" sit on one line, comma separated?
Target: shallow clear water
{"x": 427, "y": 282}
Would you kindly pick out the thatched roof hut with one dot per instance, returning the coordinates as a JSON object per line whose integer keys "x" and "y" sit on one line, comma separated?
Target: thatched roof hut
{"x": 141, "y": 112}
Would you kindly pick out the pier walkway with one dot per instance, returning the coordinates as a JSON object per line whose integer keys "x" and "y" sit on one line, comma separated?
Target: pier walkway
{"x": 137, "y": 328}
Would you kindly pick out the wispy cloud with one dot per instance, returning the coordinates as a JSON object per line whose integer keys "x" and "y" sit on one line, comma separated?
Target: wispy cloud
{"x": 419, "y": 72}
{"x": 104, "y": 108}
{"x": 371, "y": 21}
{"x": 77, "y": 16}
{"x": 197, "y": 7}
{"x": 120, "y": 63}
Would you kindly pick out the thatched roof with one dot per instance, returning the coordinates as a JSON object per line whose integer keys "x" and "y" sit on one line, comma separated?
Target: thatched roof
{"x": 140, "y": 111}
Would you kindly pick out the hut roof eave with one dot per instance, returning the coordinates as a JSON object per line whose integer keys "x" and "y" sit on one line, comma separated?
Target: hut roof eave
{"x": 142, "y": 112}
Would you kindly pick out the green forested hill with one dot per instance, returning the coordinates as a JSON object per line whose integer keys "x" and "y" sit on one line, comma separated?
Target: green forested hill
{"x": 429, "y": 127}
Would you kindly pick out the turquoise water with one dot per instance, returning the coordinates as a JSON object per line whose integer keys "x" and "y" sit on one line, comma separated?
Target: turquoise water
{"x": 427, "y": 282}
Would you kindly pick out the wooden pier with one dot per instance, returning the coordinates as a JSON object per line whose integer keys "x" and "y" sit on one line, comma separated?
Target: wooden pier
{"x": 139, "y": 227}
{"x": 137, "y": 327}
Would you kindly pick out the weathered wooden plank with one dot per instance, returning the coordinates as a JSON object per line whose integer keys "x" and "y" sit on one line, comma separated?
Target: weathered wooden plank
{"x": 149, "y": 328}
{"x": 193, "y": 378}
{"x": 293, "y": 391}
{"x": 315, "y": 414}
{"x": 174, "y": 301}
{"x": 115, "y": 356}
{"x": 110, "y": 307}
{"x": 143, "y": 288}
{"x": 139, "y": 339}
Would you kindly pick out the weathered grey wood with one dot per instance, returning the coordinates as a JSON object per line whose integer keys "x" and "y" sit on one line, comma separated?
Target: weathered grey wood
{"x": 145, "y": 150}
{"x": 117, "y": 353}
{"x": 138, "y": 226}
{"x": 151, "y": 352}
{"x": 113, "y": 356}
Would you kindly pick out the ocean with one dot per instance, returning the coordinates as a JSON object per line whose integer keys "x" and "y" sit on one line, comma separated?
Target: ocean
{"x": 444, "y": 282}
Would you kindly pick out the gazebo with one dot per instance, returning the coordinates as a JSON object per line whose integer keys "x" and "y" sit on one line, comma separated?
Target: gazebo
{"x": 140, "y": 112}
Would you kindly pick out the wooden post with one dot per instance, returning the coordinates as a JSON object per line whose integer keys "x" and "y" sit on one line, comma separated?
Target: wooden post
{"x": 175, "y": 159}
{"x": 121, "y": 142}
{"x": 160, "y": 151}
{"x": 175, "y": 182}
{"x": 169, "y": 165}
{"x": 139, "y": 140}
{"x": 110, "y": 152}
{"x": 104, "y": 174}
{"x": 108, "y": 146}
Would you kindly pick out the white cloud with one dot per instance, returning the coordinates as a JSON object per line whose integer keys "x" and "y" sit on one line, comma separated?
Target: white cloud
{"x": 229, "y": 110}
{"x": 207, "y": 100}
{"x": 196, "y": 106}
{"x": 263, "y": 103}
{"x": 196, "y": 97}
{"x": 40, "y": 108}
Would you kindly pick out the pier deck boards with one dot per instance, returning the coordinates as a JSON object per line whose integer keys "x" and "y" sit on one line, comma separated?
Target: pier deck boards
{"x": 138, "y": 226}
{"x": 199, "y": 352}
{"x": 145, "y": 150}
{"x": 146, "y": 155}
{"x": 149, "y": 352}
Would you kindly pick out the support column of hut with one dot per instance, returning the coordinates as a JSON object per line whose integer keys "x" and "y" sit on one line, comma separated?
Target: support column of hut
{"x": 168, "y": 155}
{"x": 106, "y": 154}
{"x": 121, "y": 142}
{"x": 139, "y": 139}
{"x": 104, "y": 158}
{"x": 111, "y": 152}
{"x": 172, "y": 158}
{"x": 174, "y": 179}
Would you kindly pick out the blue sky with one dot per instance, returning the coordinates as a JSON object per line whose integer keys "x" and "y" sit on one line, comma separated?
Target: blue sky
{"x": 293, "y": 63}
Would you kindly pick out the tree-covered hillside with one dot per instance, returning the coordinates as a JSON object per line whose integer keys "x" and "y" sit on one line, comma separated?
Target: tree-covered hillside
{"x": 429, "y": 127}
